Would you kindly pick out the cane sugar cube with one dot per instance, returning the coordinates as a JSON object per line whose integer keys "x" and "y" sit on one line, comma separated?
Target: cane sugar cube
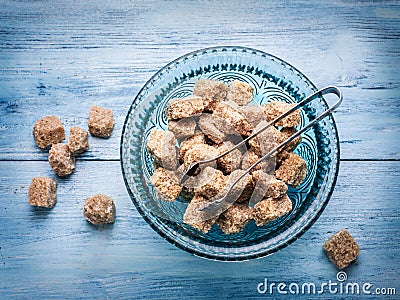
{"x": 42, "y": 192}
{"x": 195, "y": 217}
{"x": 161, "y": 145}
{"x": 166, "y": 184}
{"x": 231, "y": 161}
{"x": 267, "y": 186}
{"x": 276, "y": 108}
{"x": 235, "y": 218}
{"x": 266, "y": 140}
{"x": 250, "y": 157}
{"x": 293, "y": 170}
{"x": 180, "y": 108}
{"x": 240, "y": 92}
{"x": 101, "y": 121}
{"x": 61, "y": 159}
{"x": 210, "y": 182}
{"x": 341, "y": 249}
{"x": 78, "y": 141}
{"x": 197, "y": 138}
{"x": 211, "y": 91}
{"x": 209, "y": 128}
{"x": 270, "y": 209}
{"x": 242, "y": 190}
{"x": 182, "y": 128}
{"x": 234, "y": 118}
{"x": 47, "y": 131}
{"x": 253, "y": 114}
{"x": 286, "y": 133}
{"x": 199, "y": 152}
{"x": 99, "y": 209}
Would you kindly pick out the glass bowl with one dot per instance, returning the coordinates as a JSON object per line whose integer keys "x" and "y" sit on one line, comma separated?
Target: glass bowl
{"x": 272, "y": 79}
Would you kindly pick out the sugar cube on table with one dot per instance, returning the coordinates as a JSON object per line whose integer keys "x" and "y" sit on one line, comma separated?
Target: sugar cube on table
{"x": 42, "y": 192}
{"x": 99, "y": 209}
{"x": 61, "y": 159}
{"x": 47, "y": 131}
{"x": 101, "y": 121}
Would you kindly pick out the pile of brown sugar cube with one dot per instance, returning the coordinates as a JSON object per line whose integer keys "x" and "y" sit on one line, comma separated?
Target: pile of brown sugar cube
{"x": 49, "y": 133}
{"x": 208, "y": 123}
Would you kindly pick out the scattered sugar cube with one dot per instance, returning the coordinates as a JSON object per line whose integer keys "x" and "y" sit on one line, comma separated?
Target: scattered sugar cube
{"x": 234, "y": 118}
{"x": 230, "y": 162}
{"x": 270, "y": 209}
{"x": 182, "y": 128}
{"x": 197, "y": 138}
{"x": 235, "y": 218}
{"x": 161, "y": 145}
{"x": 78, "y": 141}
{"x": 211, "y": 91}
{"x": 47, "y": 131}
{"x": 101, "y": 121}
{"x": 197, "y": 218}
{"x": 341, "y": 249}
{"x": 61, "y": 159}
{"x": 276, "y": 108}
{"x": 166, "y": 184}
{"x": 180, "y": 108}
{"x": 99, "y": 209}
{"x": 293, "y": 170}
{"x": 209, "y": 183}
{"x": 240, "y": 92}
{"x": 43, "y": 192}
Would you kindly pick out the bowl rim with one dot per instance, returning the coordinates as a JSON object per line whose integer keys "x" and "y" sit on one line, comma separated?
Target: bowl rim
{"x": 249, "y": 256}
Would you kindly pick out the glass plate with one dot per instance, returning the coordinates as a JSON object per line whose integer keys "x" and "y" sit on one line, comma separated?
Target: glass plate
{"x": 272, "y": 79}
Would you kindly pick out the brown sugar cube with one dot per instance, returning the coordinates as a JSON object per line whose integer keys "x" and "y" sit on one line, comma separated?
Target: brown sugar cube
{"x": 266, "y": 140}
{"x": 240, "y": 92}
{"x": 231, "y": 161}
{"x": 250, "y": 157}
{"x": 242, "y": 190}
{"x": 197, "y": 218}
{"x": 208, "y": 127}
{"x": 182, "y": 128}
{"x": 293, "y": 170}
{"x": 197, "y": 138}
{"x": 101, "y": 121}
{"x": 276, "y": 108}
{"x": 267, "y": 186}
{"x": 180, "y": 108}
{"x": 270, "y": 209}
{"x": 209, "y": 183}
{"x": 78, "y": 141}
{"x": 99, "y": 209}
{"x": 161, "y": 145}
{"x": 47, "y": 131}
{"x": 211, "y": 91}
{"x": 234, "y": 118}
{"x": 199, "y": 152}
{"x": 254, "y": 114}
{"x": 42, "y": 192}
{"x": 235, "y": 218}
{"x": 166, "y": 184}
{"x": 287, "y": 132}
{"x": 341, "y": 249}
{"x": 61, "y": 159}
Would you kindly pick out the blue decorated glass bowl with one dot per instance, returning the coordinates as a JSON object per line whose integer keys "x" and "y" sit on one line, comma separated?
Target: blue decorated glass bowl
{"x": 272, "y": 79}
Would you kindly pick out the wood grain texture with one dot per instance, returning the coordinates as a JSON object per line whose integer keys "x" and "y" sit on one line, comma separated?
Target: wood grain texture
{"x": 61, "y": 255}
{"x": 59, "y": 58}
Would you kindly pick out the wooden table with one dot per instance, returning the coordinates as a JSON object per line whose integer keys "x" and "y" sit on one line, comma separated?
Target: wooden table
{"x": 60, "y": 57}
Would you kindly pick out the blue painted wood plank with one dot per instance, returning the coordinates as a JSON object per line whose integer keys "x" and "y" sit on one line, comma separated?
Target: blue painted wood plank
{"x": 129, "y": 260}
